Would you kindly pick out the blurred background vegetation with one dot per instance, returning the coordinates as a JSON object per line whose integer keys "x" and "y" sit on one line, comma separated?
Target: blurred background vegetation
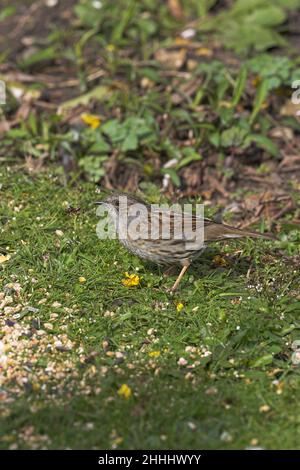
{"x": 184, "y": 95}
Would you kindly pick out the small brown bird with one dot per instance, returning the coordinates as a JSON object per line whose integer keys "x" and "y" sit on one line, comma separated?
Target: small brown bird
{"x": 148, "y": 241}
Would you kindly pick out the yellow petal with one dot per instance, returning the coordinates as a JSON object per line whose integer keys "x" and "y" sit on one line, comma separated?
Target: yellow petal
{"x": 131, "y": 280}
{"x": 204, "y": 52}
{"x": 82, "y": 280}
{"x": 91, "y": 120}
{"x": 179, "y": 306}
{"x": 125, "y": 391}
{"x": 154, "y": 353}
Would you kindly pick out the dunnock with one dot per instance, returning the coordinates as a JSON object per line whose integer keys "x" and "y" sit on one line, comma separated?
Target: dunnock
{"x": 187, "y": 234}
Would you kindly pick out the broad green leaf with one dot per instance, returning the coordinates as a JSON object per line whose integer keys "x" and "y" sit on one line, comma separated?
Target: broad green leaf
{"x": 242, "y": 7}
{"x": 233, "y": 137}
{"x": 130, "y": 142}
{"x": 269, "y": 16}
{"x": 288, "y": 4}
{"x": 100, "y": 146}
{"x": 87, "y": 14}
{"x": 114, "y": 130}
{"x": 250, "y": 24}
{"x": 93, "y": 166}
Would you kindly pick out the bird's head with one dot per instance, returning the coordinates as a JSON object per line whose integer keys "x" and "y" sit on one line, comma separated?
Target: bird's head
{"x": 116, "y": 202}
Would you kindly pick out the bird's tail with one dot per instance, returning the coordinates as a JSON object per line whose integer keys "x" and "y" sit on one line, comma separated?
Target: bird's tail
{"x": 215, "y": 232}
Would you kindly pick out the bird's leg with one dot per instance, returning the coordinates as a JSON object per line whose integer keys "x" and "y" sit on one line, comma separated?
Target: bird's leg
{"x": 169, "y": 271}
{"x": 180, "y": 277}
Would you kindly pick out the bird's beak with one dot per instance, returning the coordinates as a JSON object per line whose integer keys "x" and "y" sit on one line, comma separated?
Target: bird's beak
{"x": 101, "y": 204}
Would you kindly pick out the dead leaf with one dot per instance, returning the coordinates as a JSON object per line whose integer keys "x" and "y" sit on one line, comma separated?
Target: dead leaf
{"x": 185, "y": 90}
{"x": 282, "y": 132}
{"x": 4, "y": 258}
{"x": 290, "y": 109}
{"x": 175, "y": 9}
{"x": 290, "y": 160}
{"x": 171, "y": 59}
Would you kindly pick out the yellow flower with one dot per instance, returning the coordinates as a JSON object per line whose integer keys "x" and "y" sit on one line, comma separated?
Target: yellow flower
{"x": 131, "y": 280}
{"x": 82, "y": 280}
{"x": 218, "y": 260}
{"x": 154, "y": 353}
{"x": 125, "y": 391}
{"x": 179, "y": 306}
{"x": 4, "y": 258}
{"x": 91, "y": 120}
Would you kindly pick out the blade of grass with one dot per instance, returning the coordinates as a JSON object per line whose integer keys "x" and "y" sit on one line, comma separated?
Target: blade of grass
{"x": 240, "y": 86}
{"x": 262, "y": 93}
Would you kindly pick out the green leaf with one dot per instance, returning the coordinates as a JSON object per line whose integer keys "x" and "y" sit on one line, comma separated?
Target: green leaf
{"x": 87, "y": 14}
{"x": 289, "y": 4}
{"x": 190, "y": 155}
{"x": 125, "y": 17}
{"x": 93, "y": 166}
{"x": 242, "y": 7}
{"x": 130, "y": 142}
{"x": 261, "y": 95}
{"x": 173, "y": 175}
{"x": 250, "y": 24}
{"x": 239, "y": 86}
{"x": 111, "y": 128}
{"x": 43, "y": 55}
{"x": 7, "y": 12}
{"x": 269, "y": 16}
{"x": 233, "y": 137}
{"x": 262, "y": 361}
{"x": 100, "y": 146}
{"x": 263, "y": 142}
{"x": 17, "y": 133}
{"x": 277, "y": 69}
{"x": 215, "y": 138}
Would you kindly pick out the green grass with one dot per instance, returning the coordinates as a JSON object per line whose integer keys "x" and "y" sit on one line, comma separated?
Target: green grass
{"x": 235, "y": 332}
